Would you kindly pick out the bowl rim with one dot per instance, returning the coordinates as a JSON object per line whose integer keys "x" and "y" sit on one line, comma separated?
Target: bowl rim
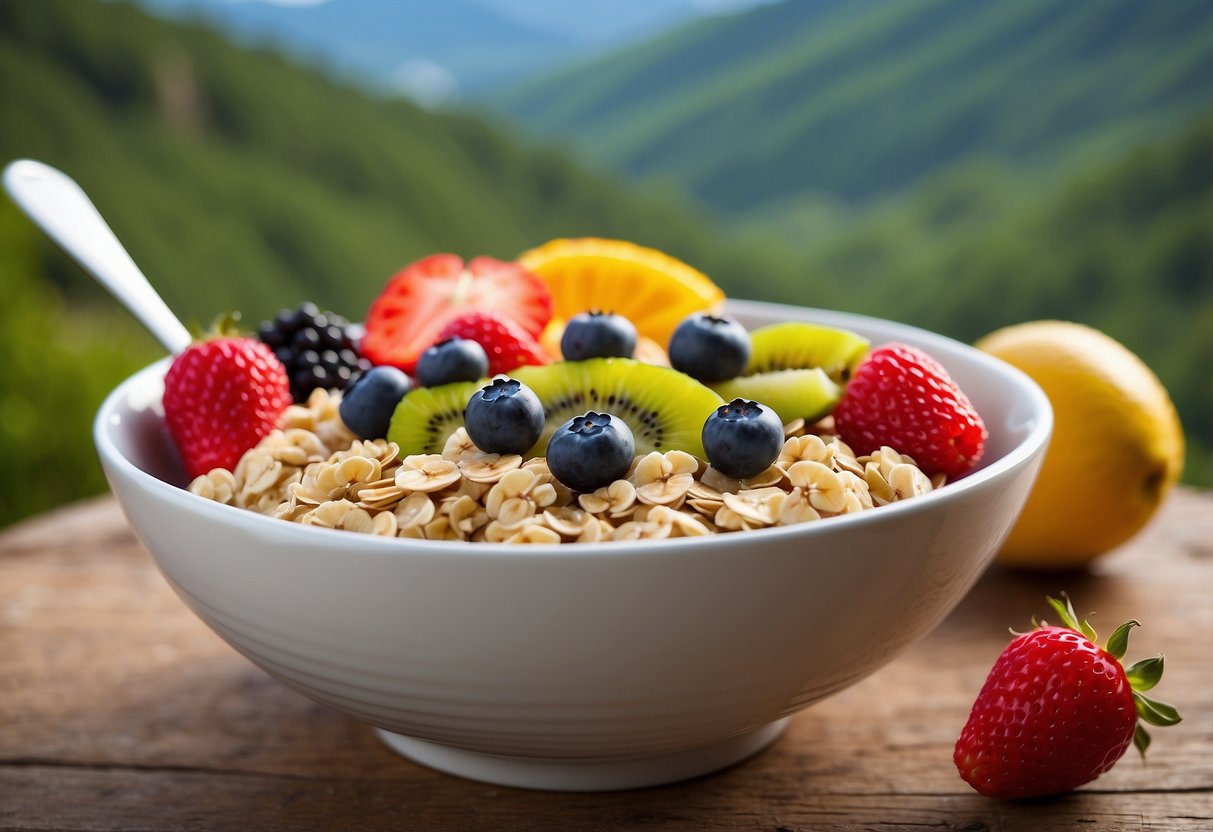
{"x": 364, "y": 544}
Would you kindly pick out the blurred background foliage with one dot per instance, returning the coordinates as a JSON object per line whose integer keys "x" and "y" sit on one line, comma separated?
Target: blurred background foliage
{"x": 957, "y": 165}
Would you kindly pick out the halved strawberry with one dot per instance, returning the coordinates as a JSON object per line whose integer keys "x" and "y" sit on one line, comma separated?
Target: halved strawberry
{"x": 425, "y": 296}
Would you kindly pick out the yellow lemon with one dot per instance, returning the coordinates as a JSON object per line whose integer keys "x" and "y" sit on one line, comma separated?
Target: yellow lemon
{"x": 1117, "y": 446}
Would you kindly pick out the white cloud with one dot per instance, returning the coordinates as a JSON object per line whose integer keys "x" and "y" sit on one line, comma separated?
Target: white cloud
{"x": 426, "y": 82}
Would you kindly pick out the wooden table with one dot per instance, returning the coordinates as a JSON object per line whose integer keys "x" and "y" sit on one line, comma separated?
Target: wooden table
{"x": 120, "y": 710}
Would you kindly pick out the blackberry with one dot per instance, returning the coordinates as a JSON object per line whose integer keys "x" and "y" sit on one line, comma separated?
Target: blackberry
{"x": 317, "y": 348}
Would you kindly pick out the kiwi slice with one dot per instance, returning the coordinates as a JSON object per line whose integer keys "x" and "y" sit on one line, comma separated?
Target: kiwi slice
{"x": 795, "y": 346}
{"x": 427, "y": 416}
{"x": 792, "y": 394}
{"x": 664, "y": 408}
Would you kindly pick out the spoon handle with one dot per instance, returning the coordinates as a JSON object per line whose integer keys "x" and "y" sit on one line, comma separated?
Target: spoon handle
{"x": 60, "y": 207}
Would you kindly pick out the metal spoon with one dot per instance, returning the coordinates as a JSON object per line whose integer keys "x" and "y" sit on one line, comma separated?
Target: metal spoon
{"x": 60, "y": 207}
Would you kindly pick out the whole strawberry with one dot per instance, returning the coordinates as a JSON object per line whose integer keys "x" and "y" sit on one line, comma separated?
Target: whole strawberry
{"x": 221, "y": 397}
{"x": 1057, "y": 711}
{"x": 507, "y": 345}
{"x": 901, "y": 397}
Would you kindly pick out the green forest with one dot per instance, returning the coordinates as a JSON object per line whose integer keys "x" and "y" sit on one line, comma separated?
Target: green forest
{"x": 859, "y": 99}
{"x": 239, "y": 180}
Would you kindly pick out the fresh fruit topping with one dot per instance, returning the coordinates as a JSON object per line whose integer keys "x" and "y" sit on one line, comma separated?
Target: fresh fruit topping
{"x": 425, "y": 296}
{"x": 549, "y": 339}
{"x": 507, "y": 345}
{"x": 591, "y": 451}
{"x": 792, "y": 394}
{"x": 221, "y": 397}
{"x": 598, "y": 335}
{"x": 709, "y": 348}
{"x": 426, "y": 417}
{"x": 742, "y": 438}
{"x": 650, "y": 352}
{"x": 647, "y": 350}
{"x": 651, "y": 289}
{"x": 901, "y": 397}
{"x": 1117, "y": 448}
{"x": 452, "y": 359}
{"x": 1057, "y": 711}
{"x": 664, "y": 409}
{"x": 368, "y": 405}
{"x": 504, "y": 417}
{"x": 316, "y": 348}
{"x": 800, "y": 346}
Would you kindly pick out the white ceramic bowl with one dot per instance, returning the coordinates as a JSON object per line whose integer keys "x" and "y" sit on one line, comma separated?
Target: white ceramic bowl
{"x": 595, "y": 666}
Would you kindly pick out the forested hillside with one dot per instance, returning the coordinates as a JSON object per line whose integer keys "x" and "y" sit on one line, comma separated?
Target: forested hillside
{"x": 1126, "y": 247}
{"x": 862, "y": 98}
{"x": 239, "y": 180}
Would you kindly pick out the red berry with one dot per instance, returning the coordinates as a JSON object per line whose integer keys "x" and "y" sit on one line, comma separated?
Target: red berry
{"x": 1056, "y": 712}
{"x": 221, "y": 397}
{"x": 427, "y": 295}
{"x": 901, "y": 397}
{"x": 507, "y": 345}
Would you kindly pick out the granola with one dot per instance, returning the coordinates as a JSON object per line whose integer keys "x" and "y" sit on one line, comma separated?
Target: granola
{"x": 313, "y": 471}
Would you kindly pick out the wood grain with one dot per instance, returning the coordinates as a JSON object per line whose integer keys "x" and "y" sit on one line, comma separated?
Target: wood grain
{"x": 120, "y": 711}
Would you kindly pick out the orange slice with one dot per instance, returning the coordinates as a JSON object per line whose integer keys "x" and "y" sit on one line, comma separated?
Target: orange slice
{"x": 652, "y": 289}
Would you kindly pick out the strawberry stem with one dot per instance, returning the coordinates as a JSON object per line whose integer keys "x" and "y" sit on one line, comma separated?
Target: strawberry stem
{"x": 1144, "y": 674}
{"x": 1118, "y": 642}
{"x": 1155, "y": 712}
{"x": 1141, "y": 740}
{"x": 1070, "y": 618}
{"x": 225, "y": 325}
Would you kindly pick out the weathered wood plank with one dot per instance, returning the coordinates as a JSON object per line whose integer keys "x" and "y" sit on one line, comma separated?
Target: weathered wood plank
{"x": 119, "y": 710}
{"x": 98, "y": 799}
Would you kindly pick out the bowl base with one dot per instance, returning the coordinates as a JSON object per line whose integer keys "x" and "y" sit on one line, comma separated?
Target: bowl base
{"x": 584, "y": 775}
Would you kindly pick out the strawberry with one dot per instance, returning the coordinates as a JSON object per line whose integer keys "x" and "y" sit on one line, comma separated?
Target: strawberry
{"x": 901, "y": 397}
{"x": 1057, "y": 711}
{"x": 507, "y": 345}
{"x": 221, "y": 397}
{"x": 427, "y": 295}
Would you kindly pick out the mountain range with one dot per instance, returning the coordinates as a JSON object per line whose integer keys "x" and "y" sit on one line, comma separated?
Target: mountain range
{"x": 855, "y": 100}
{"x": 437, "y": 51}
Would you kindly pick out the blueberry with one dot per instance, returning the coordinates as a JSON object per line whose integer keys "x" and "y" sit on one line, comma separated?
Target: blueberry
{"x": 455, "y": 359}
{"x": 710, "y": 348}
{"x": 742, "y": 438}
{"x": 504, "y": 417}
{"x": 598, "y": 335}
{"x": 591, "y": 451}
{"x": 367, "y": 405}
